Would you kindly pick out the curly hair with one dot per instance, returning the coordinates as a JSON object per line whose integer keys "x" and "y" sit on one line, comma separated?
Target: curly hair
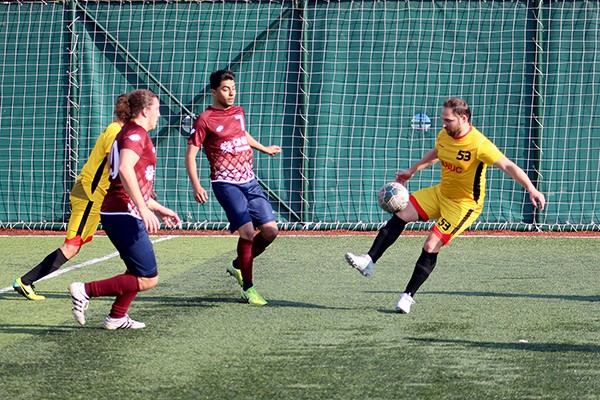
{"x": 140, "y": 99}
{"x": 122, "y": 110}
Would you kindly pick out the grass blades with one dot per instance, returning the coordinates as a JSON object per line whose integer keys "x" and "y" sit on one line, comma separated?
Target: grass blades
{"x": 510, "y": 318}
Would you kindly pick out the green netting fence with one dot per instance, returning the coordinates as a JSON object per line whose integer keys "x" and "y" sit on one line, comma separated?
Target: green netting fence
{"x": 336, "y": 83}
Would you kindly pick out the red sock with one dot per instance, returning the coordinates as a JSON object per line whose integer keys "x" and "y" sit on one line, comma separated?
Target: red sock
{"x": 245, "y": 260}
{"x": 121, "y": 304}
{"x": 259, "y": 245}
{"x": 115, "y": 286}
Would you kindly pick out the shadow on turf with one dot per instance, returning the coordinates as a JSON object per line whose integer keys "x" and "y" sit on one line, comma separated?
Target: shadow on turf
{"x": 526, "y": 295}
{"x": 32, "y": 329}
{"x": 495, "y": 294}
{"x": 541, "y": 347}
{"x": 48, "y": 295}
{"x": 202, "y": 301}
{"x": 185, "y": 301}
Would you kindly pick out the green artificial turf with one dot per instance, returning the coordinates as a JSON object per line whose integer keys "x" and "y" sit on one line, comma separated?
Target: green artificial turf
{"x": 500, "y": 317}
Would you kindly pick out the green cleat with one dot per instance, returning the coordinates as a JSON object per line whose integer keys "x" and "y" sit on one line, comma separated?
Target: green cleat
{"x": 27, "y": 291}
{"x": 236, "y": 273}
{"x": 253, "y": 298}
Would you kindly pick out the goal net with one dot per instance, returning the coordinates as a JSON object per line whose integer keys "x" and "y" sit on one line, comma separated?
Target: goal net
{"x": 351, "y": 90}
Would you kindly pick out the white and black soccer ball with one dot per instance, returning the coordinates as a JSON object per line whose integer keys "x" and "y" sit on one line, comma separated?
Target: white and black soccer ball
{"x": 392, "y": 197}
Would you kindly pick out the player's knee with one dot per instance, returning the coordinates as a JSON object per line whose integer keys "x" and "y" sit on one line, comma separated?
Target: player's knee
{"x": 246, "y": 231}
{"x": 147, "y": 283}
{"x": 270, "y": 233}
{"x": 409, "y": 214}
{"x": 429, "y": 247}
{"x": 69, "y": 250}
{"x": 433, "y": 243}
{"x": 270, "y": 237}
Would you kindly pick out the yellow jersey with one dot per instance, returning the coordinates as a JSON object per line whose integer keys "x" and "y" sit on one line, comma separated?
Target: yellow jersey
{"x": 92, "y": 182}
{"x": 464, "y": 162}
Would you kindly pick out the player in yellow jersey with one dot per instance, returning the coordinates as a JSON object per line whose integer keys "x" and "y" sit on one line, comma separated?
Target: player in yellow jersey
{"x": 464, "y": 154}
{"x": 86, "y": 198}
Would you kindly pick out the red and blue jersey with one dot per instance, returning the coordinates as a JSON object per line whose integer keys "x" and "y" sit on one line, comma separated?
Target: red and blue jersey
{"x": 222, "y": 133}
{"x": 135, "y": 138}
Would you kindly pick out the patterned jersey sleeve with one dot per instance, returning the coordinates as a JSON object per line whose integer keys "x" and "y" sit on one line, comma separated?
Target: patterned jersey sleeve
{"x": 198, "y": 133}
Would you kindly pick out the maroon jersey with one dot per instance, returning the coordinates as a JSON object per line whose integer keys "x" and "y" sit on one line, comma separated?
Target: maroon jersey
{"x": 223, "y": 135}
{"x": 136, "y": 138}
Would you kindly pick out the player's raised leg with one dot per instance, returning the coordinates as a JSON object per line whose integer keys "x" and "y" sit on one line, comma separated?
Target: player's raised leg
{"x": 387, "y": 235}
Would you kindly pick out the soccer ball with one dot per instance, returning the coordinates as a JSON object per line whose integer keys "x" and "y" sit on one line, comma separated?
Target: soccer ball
{"x": 392, "y": 197}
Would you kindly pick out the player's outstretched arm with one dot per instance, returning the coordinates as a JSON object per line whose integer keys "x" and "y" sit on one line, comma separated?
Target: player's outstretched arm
{"x": 514, "y": 171}
{"x": 191, "y": 167}
{"x": 430, "y": 158}
{"x": 255, "y": 144}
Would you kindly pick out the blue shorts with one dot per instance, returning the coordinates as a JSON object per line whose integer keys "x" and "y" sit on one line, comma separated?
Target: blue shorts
{"x": 243, "y": 203}
{"x": 128, "y": 234}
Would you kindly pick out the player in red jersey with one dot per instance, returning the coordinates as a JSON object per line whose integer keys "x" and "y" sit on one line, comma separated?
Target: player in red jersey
{"x": 86, "y": 198}
{"x": 129, "y": 212}
{"x": 228, "y": 146}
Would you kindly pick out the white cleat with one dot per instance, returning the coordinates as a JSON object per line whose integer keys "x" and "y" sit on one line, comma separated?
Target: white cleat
{"x": 80, "y": 301}
{"x": 112, "y": 324}
{"x": 363, "y": 263}
{"x": 404, "y": 304}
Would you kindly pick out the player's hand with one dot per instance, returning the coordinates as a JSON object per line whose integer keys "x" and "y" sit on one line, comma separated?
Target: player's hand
{"x": 403, "y": 176}
{"x": 537, "y": 199}
{"x": 150, "y": 220}
{"x": 200, "y": 195}
{"x": 272, "y": 150}
{"x": 170, "y": 218}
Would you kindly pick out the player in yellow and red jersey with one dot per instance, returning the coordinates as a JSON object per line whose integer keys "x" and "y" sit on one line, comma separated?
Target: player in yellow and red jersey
{"x": 86, "y": 198}
{"x": 464, "y": 154}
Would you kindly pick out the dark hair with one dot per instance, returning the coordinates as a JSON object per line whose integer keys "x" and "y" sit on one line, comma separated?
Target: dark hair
{"x": 219, "y": 76}
{"x": 122, "y": 110}
{"x": 459, "y": 107}
{"x": 140, "y": 99}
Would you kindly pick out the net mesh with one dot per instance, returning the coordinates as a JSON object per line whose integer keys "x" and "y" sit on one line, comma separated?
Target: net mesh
{"x": 337, "y": 84}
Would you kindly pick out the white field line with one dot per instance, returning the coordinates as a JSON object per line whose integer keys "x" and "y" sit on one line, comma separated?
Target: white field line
{"x": 85, "y": 264}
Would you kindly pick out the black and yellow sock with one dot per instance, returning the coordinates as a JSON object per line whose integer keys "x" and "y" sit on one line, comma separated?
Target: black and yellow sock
{"x": 51, "y": 263}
